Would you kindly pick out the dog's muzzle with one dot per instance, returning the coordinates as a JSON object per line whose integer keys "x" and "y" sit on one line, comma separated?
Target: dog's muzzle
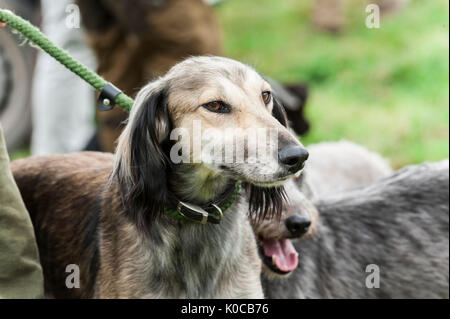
{"x": 293, "y": 157}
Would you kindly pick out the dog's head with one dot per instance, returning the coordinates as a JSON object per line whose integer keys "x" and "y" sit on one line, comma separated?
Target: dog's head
{"x": 219, "y": 120}
{"x": 298, "y": 220}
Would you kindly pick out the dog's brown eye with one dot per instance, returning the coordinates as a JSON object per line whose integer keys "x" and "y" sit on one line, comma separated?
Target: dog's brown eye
{"x": 217, "y": 107}
{"x": 266, "y": 96}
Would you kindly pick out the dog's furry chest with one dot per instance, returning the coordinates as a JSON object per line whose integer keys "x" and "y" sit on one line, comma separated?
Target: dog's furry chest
{"x": 180, "y": 259}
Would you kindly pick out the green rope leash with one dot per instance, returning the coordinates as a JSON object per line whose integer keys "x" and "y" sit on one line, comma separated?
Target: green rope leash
{"x": 36, "y": 37}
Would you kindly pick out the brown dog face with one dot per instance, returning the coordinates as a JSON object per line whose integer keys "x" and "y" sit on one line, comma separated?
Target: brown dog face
{"x": 232, "y": 108}
{"x": 298, "y": 220}
{"x": 219, "y": 119}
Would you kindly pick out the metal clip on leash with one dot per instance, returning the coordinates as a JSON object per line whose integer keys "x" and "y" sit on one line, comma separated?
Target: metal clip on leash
{"x": 109, "y": 96}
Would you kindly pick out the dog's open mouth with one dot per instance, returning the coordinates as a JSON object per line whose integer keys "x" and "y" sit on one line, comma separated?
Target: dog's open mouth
{"x": 279, "y": 255}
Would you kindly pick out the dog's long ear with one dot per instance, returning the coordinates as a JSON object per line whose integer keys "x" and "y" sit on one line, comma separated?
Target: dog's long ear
{"x": 279, "y": 113}
{"x": 141, "y": 161}
{"x": 265, "y": 202}
{"x": 298, "y": 121}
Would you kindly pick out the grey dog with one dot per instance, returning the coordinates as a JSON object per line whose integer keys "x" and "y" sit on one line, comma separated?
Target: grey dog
{"x": 338, "y": 166}
{"x": 396, "y": 228}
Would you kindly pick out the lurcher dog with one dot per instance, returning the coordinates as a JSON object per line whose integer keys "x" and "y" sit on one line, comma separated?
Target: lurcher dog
{"x": 331, "y": 166}
{"x": 138, "y": 224}
{"x": 337, "y": 166}
{"x": 397, "y": 227}
{"x": 275, "y": 237}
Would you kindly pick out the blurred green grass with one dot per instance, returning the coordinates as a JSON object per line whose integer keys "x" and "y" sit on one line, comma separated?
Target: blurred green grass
{"x": 386, "y": 88}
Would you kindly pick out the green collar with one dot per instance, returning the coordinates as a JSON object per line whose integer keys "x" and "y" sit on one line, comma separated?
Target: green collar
{"x": 212, "y": 213}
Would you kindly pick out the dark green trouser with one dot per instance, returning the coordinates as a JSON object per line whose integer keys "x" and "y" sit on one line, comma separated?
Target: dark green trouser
{"x": 20, "y": 270}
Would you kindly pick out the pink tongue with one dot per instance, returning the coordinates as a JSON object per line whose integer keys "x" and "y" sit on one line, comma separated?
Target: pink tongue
{"x": 282, "y": 252}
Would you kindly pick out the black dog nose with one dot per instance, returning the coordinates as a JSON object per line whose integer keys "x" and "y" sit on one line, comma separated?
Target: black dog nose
{"x": 298, "y": 225}
{"x": 293, "y": 157}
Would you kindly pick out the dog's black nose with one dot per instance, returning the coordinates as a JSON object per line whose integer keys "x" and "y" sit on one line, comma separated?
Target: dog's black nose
{"x": 298, "y": 225}
{"x": 293, "y": 157}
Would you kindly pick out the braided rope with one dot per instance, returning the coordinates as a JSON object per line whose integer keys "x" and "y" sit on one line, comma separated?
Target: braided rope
{"x": 37, "y": 38}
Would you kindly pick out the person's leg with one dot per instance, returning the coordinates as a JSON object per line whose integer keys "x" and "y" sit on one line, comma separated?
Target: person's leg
{"x": 20, "y": 271}
{"x": 63, "y": 104}
{"x": 389, "y": 6}
{"x": 328, "y": 15}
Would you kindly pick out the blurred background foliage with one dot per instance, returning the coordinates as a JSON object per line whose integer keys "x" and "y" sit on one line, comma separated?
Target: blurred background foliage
{"x": 386, "y": 88}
